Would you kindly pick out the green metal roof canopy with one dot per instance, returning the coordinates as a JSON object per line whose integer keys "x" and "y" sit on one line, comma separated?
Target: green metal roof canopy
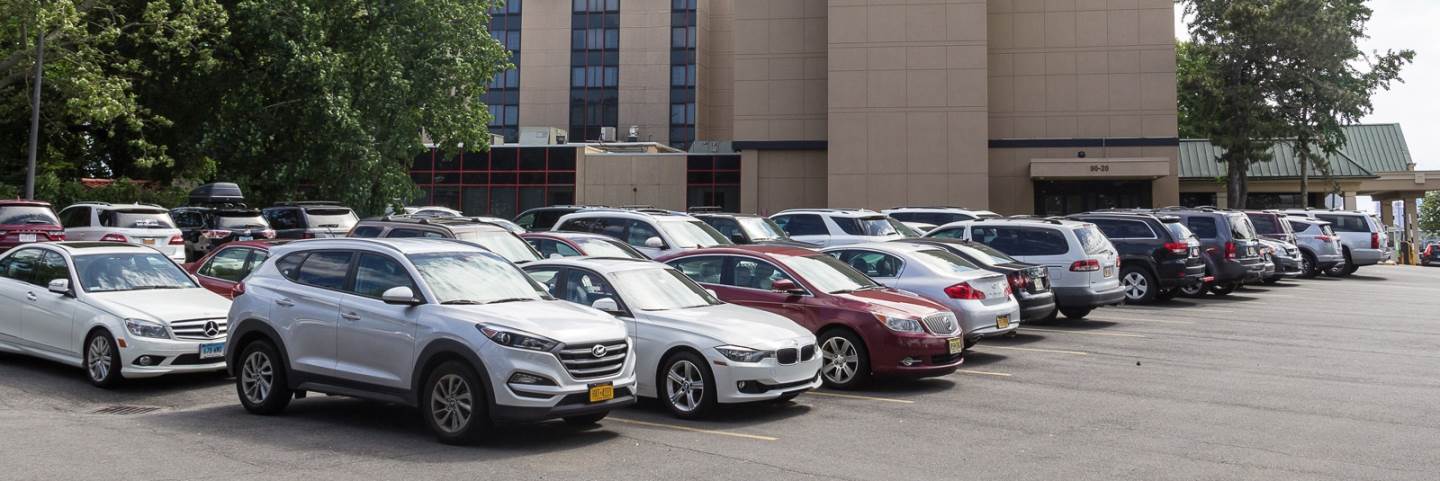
{"x": 1370, "y": 149}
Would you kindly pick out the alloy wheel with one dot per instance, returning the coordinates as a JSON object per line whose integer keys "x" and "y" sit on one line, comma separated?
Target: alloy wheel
{"x": 1306, "y": 266}
{"x": 98, "y": 361}
{"x": 1136, "y": 286}
{"x": 684, "y": 386}
{"x": 257, "y": 378}
{"x": 1194, "y": 289}
{"x": 451, "y": 403}
{"x": 841, "y": 360}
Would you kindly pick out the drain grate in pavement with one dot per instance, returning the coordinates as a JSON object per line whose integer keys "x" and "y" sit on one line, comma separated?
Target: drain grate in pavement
{"x": 125, "y": 410}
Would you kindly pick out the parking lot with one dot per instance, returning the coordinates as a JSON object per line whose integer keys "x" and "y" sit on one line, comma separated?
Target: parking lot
{"x": 1314, "y": 379}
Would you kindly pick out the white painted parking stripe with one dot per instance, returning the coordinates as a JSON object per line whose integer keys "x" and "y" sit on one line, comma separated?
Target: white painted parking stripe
{"x": 693, "y": 430}
{"x": 1032, "y": 349}
{"x": 1108, "y": 317}
{"x": 984, "y": 373}
{"x": 1088, "y": 333}
{"x": 862, "y": 398}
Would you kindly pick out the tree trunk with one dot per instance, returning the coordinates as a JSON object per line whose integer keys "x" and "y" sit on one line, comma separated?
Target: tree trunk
{"x": 1235, "y": 185}
{"x": 1303, "y": 151}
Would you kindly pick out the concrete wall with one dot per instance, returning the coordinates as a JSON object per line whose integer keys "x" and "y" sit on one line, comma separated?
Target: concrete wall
{"x": 715, "y": 70}
{"x": 779, "y": 70}
{"x": 545, "y": 64}
{"x": 645, "y": 69}
{"x": 631, "y": 179}
{"x": 775, "y": 180}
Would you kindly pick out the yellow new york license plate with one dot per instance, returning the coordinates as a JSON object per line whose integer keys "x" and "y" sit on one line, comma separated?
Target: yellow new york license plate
{"x": 601, "y": 392}
{"x": 957, "y": 345}
{"x": 1002, "y": 321}
{"x": 148, "y": 242}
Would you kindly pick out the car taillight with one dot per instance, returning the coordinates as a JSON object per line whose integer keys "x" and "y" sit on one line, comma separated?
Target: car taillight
{"x": 113, "y": 238}
{"x": 1087, "y": 265}
{"x": 1323, "y": 238}
{"x": 215, "y": 233}
{"x": 1230, "y": 250}
{"x": 238, "y": 290}
{"x": 267, "y": 234}
{"x": 964, "y": 291}
{"x": 56, "y": 236}
{"x": 176, "y": 240}
{"x": 1178, "y": 248}
{"x": 1017, "y": 280}
{"x": 1374, "y": 240}
{"x": 1009, "y": 291}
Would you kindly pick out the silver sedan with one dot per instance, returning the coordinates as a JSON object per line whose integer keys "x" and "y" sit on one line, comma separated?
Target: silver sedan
{"x": 980, "y": 299}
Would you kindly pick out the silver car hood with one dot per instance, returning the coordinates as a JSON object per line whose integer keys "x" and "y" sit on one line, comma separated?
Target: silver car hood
{"x": 559, "y": 320}
{"x": 736, "y": 325}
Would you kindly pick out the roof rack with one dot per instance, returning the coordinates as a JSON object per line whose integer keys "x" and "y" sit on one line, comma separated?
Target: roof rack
{"x": 305, "y": 203}
{"x": 708, "y": 209}
{"x": 1026, "y": 218}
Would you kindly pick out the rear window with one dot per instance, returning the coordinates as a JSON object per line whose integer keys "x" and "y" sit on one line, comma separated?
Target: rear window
{"x": 1124, "y": 229}
{"x": 1178, "y": 231}
{"x": 1345, "y": 223}
{"x": 801, "y": 224}
{"x": 1022, "y": 241}
{"x": 331, "y": 218}
{"x": 944, "y": 261}
{"x": 27, "y": 214}
{"x": 1267, "y": 224}
{"x": 1241, "y": 228}
{"x": 1203, "y": 227}
{"x": 153, "y": 219}
{"x": 1093, "y": 241}
{"x": 241, "y": 220}
{"x": 865, "y": 226}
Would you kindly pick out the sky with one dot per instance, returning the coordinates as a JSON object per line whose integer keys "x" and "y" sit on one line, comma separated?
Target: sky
{"x": 1396, "y": 25}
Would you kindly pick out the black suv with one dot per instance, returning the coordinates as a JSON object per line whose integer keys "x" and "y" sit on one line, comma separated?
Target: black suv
{"x": 493, "y": 237}
{"x": 1229, "y": 244}
{"x": 1030, "y": 282}
{"x": 310, "y": 220}
{"x": 214, "y": 215}
{"x": 543, "y": 218}
{"x": 1158, "y": 254}
{"x": 749, "y": 229}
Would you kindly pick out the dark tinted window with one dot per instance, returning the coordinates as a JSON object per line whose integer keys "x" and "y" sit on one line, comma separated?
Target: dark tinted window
{"x": 1123, "y": 229}
{"x": 367, "y": 231}
{"x": 283, "y": 218}
{"x": 1266, "y": 224}
{"x": 549, "y": 248}
{"x": 408, "y": 233}
{"x": 1299, "y": 227}
{"x": 27, "y": 214}
{"x": 229, "y": 264}
{"x": 23, "y": 265}
{"x": 951, "y": 233}
{"x": 1203, "y": 227}
{"x": 325, "y": 269}
{"x": 727, "y": 227}
{"x": 584, "y": 287}
{"x": 75, "y": 217}
{"x": 701, "y": 269}
{"x": 1022, "y": 241}
{"x": 135, "y": 218}
{"x": 375, "y": 274}
{"x": 289, "y": 266}
{"x": 639, "y": 232}
{"x": 802, "y": 224}
{"x": 1345, "y": 223}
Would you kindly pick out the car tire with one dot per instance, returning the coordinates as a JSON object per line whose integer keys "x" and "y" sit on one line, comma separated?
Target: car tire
{"x": 846, "y": 363}
{"x": 1167, "y": 294}
{"x": 1076, "y": 312}
{"x": 1308, "y": 268}
{"x": 261, "y": 380}
{"x": 676, "y": 385}
{"x": 586, "y": 420}
{"x": 1140, "y": 287}
{"x": 102, "y": 360}
{"x": 1342, "y": 269}
{"x": 1222, "y": 290}
{"x": 454, "y": 404}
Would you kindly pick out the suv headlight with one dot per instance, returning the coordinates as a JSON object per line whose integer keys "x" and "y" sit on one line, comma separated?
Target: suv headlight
{"x": 517, "y": 340}
{"x": 901, "y": 324}
{"x": 742, "y": 354}
{"x": 144, "y": 328}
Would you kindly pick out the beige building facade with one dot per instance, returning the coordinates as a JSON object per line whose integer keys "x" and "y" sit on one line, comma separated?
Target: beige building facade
{"x": 1019, "y": 106}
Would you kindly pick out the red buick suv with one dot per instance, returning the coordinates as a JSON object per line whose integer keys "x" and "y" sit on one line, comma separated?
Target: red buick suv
{"x": 26, "y": 221}
{"x": 863, "y": 328}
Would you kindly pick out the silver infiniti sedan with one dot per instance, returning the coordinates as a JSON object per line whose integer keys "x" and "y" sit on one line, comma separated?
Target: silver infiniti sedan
{"x": 980, "y": 299}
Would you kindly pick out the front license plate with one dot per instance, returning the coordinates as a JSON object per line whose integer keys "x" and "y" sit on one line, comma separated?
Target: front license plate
{"x": 244, "y": 238}
{"x": 601, "y": 392}
{"x": 27, "y": 237}
{"x": 957, "y": 345}
{"x": 1002, "y": 321}
{"x": 212, "y": 350}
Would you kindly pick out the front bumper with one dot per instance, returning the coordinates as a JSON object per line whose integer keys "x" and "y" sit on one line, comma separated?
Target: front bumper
{"x": 1088, "y": 296}
{"x": 1286, "y": 267}
{"x": 930, "y": 355}
{"x": 764, "y": 381}
{"x": 566, "y": 397}
{"x": 178, "y": 356}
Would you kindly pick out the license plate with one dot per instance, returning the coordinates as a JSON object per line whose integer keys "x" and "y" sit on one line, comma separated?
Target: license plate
{"x": 212, "y": 350}
{"x": 1109, "y": 271}
{"x": 244, "y": 238}
{"x": 601, "y": 392}
{"x": 148, "y": 242}
{"x": 957, "y": 345}
{"x": 1002, "y": 321}
{"x": 1043, "y": 283}
{"x": 27, "y": 237}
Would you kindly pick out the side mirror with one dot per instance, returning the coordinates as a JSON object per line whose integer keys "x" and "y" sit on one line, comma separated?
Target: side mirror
{"x": 655, "y": 243}
{"x": 787, "y": 286}
{"x": 737, "y": 238}
{"x": 400, "y": 296}
{"x": 60, "y": 286}
{"x": 712, "y": 293}
{"x": 606, "y": 304}
{"x": 555, "y": 255}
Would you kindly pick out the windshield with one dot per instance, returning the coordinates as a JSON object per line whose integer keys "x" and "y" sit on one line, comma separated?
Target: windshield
{"x": 904, "y": 230}
{"x": 129, "y": 272}
{"x": 760, "y": 228}
{"x": 241, "y": 220}
{"x": 509, "y": 246}
{"x": 607, "y": 248}
{"x": 661, "y": 289}
{"x": 1178, "y": 231}
{"x": 140, "y": 218}
{"x": 474, "y": 278}
{"x": 828, "y": 274}
{"x": 693, "y": 233}
{"x": 331, "y": 218}
{"x": 879, "y": 226}
{"x": 1092, "y": 239}
{"x": 27, "y": 214}
{"x": 944, "y": 261}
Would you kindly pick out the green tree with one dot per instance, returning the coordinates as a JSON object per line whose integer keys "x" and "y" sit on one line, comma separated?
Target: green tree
{"x": 1429, "y": 221}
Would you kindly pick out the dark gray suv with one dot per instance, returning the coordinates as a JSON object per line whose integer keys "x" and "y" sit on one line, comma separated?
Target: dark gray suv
{"x": 1229, "y": 246}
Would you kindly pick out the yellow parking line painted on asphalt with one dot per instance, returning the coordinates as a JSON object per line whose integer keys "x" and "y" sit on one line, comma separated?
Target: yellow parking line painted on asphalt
{"x": 1107, "y": 317}
{"x": 1182, "y": 310}
{"x": 1088, "y": 333}
{"x": 693, "y": 430}
{"x": 1032, "y": 349}
{"x": 984, "y": 373}
{"x": 862, "y": 398}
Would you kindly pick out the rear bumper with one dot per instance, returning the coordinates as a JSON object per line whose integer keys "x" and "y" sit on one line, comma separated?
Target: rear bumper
{"x": 1037, "y": 306}
{"x": 1367, "y": 257}
{"x": 1088, "y": 296}
{"x": 1247, "y": 270}
{"x": 1176, "y": 274}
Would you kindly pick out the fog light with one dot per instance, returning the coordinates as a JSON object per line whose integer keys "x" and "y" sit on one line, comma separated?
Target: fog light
{"x": 741, "y": 385}
{"x": 909, "y": 361}
{"x": 145, "y": 361}
{"x": 531, "y": 379}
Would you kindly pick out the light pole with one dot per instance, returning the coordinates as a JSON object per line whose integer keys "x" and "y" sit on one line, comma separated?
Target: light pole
{"x": 35, "y": 112}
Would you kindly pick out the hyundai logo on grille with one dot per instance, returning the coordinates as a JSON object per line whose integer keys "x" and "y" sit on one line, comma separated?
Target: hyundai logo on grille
{"x": 598, "y": 350}
{"x": 212, "y": 329}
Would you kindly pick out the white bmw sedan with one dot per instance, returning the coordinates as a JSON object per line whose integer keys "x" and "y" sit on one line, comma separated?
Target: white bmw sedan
{"x": 117, "y": 310}
{"x": 694, "y": 351}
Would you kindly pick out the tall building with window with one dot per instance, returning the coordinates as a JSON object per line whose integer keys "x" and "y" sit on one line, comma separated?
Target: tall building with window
{"x": 1019, "y": 106}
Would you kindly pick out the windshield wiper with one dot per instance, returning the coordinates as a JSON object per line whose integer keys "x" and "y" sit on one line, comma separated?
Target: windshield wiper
{"x": 510, "y": 299}
{"x": 146, "y": 288}
{"x": 462, "y": 302}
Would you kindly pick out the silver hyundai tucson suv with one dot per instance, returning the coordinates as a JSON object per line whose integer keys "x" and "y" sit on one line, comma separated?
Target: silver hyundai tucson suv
{"x": 439, "y": 324}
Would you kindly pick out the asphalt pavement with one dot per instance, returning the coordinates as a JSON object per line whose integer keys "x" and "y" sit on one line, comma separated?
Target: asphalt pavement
{"x": 1308, "y": 380}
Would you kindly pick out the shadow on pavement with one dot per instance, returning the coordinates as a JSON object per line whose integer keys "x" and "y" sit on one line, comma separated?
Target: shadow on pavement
{"x": 726, "y": 416}
{"x": 1018, "y": 339}
{"x": 55, "y": 381}
{"x": 979, "y": 359}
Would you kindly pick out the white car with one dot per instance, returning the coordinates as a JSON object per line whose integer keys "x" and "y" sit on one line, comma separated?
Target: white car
{"x": 117, "y": 310}
{"x": 937, "y": 216}
{"x": 653, "y": 232}
{"x": 693, "y": 351}
{"x": 425, "y": 211}
{"x": 838, "y": 227}
{"x": 143, "y": 224}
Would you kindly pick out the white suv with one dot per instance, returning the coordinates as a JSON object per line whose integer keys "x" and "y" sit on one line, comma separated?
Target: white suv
{"x": 117, "y": 310}
{"x": 143, "y": 224}
{"x": 838, "y": 227}
{"x": 1082, "y": 263}
{"x": 693, "y": 351}
{"x": 1363, "y": 238}
{"x": 935, "y": 216}
{"x": 653, "y": 232}
{"x": 439, "y": 324}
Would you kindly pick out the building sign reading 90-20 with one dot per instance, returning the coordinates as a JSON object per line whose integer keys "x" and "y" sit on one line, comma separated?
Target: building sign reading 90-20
{"x": 1099, "y": 167}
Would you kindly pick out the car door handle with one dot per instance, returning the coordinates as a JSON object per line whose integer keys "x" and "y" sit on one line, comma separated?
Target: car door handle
{"x": 285, "y": 303}
{"x": 350, "y": 316}
{"x": 30, "y": 296}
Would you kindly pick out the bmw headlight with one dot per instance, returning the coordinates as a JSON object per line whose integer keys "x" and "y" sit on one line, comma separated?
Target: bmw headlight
{"x": 517, "y": 340}
{"x": 144, "y": 328}
{"x": 901, "y": 324}
{"x": 742, "y": 354}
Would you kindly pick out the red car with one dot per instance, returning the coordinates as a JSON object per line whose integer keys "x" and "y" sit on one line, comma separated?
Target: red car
{"x": 26, "y": 221}
{"x": 863, "y": 328}
{"x": 226, "y": 266}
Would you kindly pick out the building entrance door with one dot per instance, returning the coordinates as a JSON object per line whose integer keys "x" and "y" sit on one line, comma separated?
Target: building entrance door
{"x": 1070, "y": 197}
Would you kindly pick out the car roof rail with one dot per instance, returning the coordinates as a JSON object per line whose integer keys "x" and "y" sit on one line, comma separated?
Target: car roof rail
{"x": 705, "y": 209}
{"x": 307, "y": 203}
